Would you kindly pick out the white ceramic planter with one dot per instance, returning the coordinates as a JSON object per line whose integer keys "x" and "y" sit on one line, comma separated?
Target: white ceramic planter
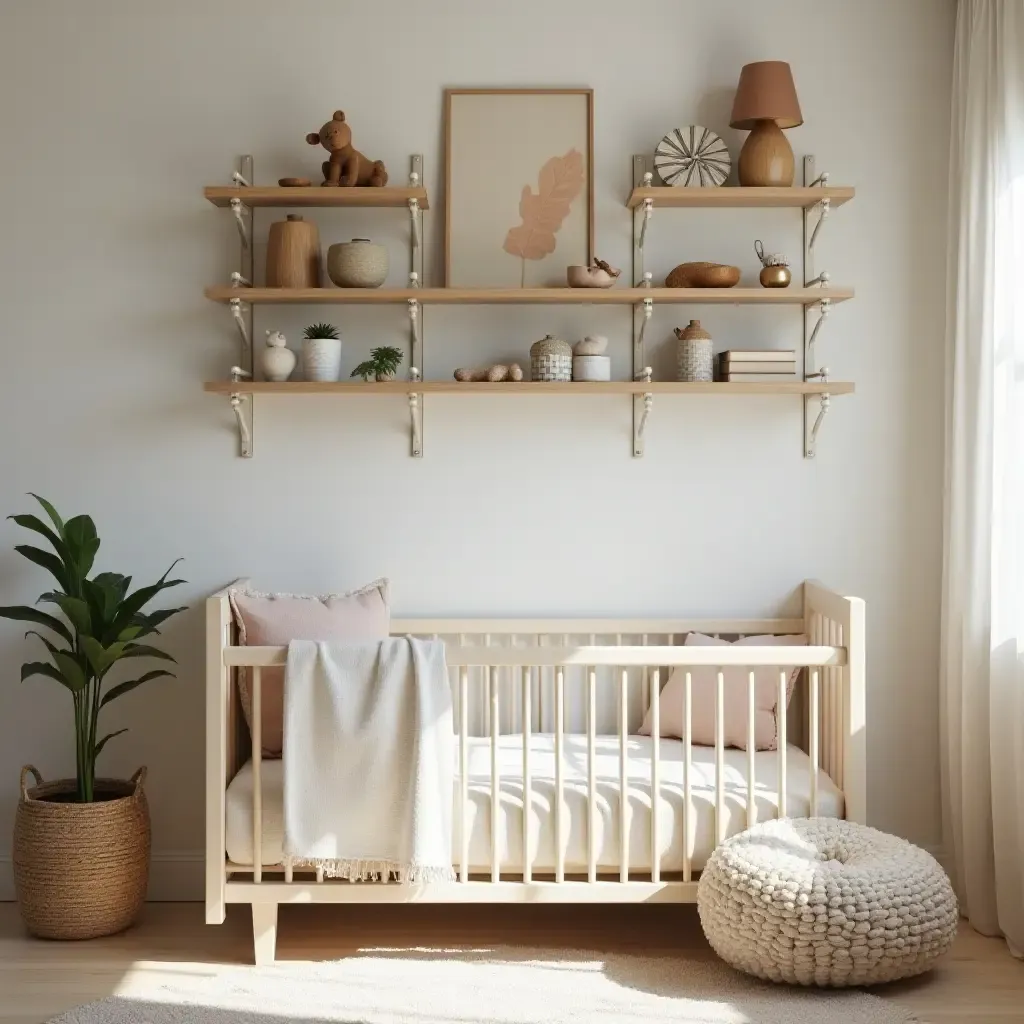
{"x": 591, "y": 368}
{"x": 321, "y": 358}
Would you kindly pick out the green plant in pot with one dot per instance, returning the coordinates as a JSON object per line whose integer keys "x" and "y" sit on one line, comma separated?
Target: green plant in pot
{"x": 382, "y": 364}
{"x": 81, "y": 845}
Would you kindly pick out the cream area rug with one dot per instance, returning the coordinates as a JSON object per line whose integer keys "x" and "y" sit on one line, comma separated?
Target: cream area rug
{"x": 504, "y": 986}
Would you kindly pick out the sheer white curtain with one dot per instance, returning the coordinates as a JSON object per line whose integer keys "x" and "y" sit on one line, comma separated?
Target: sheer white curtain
{"x": 982, "y": 709}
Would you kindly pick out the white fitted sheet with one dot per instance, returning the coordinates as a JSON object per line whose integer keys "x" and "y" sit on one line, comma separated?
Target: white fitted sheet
{"x": 239, "y": 840}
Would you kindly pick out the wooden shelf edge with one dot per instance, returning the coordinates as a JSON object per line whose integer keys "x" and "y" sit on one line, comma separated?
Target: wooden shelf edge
{"x": 533, "y": 296}
{"x": 317, "y": 196}
{"x": 615, "y": 387}
{"x": 738, "y": 196}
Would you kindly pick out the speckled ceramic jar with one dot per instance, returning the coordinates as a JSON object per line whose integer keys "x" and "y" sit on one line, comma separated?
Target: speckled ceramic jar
{"x": 551, "y": 359}
{"x": 357, "y": 264}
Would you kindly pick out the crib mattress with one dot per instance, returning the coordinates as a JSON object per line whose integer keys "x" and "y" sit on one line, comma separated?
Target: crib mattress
{"x": 701, "y": 841}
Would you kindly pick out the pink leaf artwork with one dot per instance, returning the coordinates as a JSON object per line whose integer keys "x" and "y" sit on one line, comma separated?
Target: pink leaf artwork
{"x": 559, "y": 183}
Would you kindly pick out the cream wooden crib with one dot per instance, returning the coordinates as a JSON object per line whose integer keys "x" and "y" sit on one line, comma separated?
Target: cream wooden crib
{"x": 553, "y": 791}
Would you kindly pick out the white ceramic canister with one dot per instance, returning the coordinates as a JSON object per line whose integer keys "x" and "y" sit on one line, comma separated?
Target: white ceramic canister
{"x": 591, "y": 368}
{"x": 321, "y": 358}
{"x": 357, "y": 264}
{"x": 278, "y": 360}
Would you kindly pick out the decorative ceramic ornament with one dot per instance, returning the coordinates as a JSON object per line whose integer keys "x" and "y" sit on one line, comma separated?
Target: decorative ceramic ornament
{"x": 293, "y": 253}
{"x": 693, "y": 156}
{"x": 598, "y": 275}
{"x": 278, "y": 360}
{"x": 551, "y": 359}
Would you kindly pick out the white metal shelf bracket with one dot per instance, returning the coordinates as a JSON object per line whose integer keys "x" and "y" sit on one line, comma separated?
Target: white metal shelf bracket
{"x": 238, "y": 312}
{"x": 642, "y": 178}
{"x": 812, "y": 423}
{"x": 642, "y": 405}
{"x": 416, "y": 416}
{"x": 241, "y": 406}
{"x": 824, "y": 308}
{"x": 242, "y": 221}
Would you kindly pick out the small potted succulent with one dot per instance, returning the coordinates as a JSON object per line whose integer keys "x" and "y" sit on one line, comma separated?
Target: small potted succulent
{"x": 382, "y": 364}
{"x": 81, "y": 845}
{"x": 321, "y": 352}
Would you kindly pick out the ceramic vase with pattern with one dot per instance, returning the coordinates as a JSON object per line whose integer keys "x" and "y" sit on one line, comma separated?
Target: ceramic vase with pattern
{"x": 321, "y": 358}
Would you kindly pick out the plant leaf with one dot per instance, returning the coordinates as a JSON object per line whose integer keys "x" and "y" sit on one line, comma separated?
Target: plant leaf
{"x": 51, "y": 512}
{"x": 73, "y": 673}
{"x": 129, "y": 633}
{"x": 145, "y": 651}
{"x": 41, "y": 668}
{"x": 51, "y": 563}
{"x": 30, "y": 522}
{"x": 83, "y": 543}
{"x": 122, "y": 688}
{"x": 76, "y": 610}
{"x": 100, "y": 657}
{"x": 150, "y": 620}
{"x": 103, "y": 742}
{"x": 21, "y": 613}
{"x": 542, "y": 213}
{"x": 50, "y": 646}
{"x": 136, "y": 601}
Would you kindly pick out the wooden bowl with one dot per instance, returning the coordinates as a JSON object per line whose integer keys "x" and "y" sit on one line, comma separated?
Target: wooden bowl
{"x": 703, "y": 275}
{"x": 294, "y": 182}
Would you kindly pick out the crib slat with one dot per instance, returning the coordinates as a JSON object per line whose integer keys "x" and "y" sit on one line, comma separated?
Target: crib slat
{"x": 591, "y": 775}
{"x": 319, "y": 875}
{"x": 256, "y": 725}
{"x": 288, "y": 870}
{"x": 655, "y": 775}
{"x": 687, "y": 773}
{"x": 841, "y": 723}
{"x": 645, "y": 682}
{"x": 834, "y": 714}
{"x": 527, "y": 675}
{"x": 751, "y": 781}
{"x": 464, "y": 771}
{"x": 781, "y": 713}
{"x": 815, "y": 730}
{"x": 485, "y": 704}
{"x": 623, "y": 777}
{"x": 559, "y": 774}
{"x": 719, "y": 756}
{"x": 495, "y": 775}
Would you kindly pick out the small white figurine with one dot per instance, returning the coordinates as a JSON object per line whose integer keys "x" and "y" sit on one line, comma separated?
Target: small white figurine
{"x": 278, "y": 359}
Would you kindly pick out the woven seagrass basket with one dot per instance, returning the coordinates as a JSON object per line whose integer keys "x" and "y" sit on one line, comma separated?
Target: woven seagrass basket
{"x": 80, "y": 870}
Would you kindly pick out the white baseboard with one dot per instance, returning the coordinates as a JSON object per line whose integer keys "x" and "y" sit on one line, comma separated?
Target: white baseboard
{"x": 175, "y": 876}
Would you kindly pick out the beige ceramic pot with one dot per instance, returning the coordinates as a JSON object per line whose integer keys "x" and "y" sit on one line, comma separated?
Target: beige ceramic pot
{"x": 357, "y": 264}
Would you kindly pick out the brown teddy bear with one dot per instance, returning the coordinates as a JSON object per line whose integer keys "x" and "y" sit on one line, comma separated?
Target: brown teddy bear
{"x": 347, "y": 166}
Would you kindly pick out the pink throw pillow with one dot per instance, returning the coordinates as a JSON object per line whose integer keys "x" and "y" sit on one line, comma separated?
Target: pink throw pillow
{"x": 270, "y": 619}
{"x": 702, "y": 691}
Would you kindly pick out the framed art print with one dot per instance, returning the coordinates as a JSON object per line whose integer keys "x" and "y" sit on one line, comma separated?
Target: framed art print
{"x": 519, "y": 186}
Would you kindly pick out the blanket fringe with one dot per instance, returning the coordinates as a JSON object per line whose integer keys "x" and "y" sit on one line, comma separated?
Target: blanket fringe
{"x": 361, "y": 869}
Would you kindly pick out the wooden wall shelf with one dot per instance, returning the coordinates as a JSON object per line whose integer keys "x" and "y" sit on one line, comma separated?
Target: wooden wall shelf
{"x": 739, "y": 196}
{"x": 316, "y": 195}
{"x": 533, "y": 296}
{"x": 452, "y": 387}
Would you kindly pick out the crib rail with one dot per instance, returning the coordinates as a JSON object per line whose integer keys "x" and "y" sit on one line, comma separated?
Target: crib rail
{"x": 504, "y": 687}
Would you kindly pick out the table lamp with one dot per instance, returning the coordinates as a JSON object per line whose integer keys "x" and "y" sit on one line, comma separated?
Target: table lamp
{"x": 765, "y": 104}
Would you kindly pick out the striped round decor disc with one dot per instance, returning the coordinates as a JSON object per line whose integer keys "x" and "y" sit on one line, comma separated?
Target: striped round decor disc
{"x": 692, "y": 156}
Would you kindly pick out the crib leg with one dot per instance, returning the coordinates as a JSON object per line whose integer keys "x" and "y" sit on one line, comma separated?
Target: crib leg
{"x": 264, "y": 932}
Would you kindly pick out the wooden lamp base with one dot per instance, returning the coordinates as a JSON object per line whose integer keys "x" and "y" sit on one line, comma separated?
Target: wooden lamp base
{"x": 766, "y": 158}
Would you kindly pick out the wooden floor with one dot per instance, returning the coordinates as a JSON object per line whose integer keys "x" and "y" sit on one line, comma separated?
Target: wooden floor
{"x": 978, "y": 982}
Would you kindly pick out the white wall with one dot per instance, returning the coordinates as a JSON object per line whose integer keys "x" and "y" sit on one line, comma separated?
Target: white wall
{"x": 115, "y": 113}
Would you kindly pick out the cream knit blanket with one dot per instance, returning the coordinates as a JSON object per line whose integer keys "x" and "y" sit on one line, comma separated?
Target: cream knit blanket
{"x": 369, "y": 760}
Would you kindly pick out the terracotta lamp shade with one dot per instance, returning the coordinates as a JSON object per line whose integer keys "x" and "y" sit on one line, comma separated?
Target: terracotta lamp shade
{"x": 765, "y": 103}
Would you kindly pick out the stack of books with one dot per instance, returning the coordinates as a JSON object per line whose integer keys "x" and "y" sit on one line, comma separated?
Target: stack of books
{"x": 757, "y": 365}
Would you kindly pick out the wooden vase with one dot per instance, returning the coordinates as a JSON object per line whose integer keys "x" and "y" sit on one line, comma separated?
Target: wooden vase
{"x": 766, "y": 158}
{"x": 293, "y": 254}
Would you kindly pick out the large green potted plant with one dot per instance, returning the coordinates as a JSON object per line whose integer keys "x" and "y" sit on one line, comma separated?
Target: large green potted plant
{"x": 81, "y": 845}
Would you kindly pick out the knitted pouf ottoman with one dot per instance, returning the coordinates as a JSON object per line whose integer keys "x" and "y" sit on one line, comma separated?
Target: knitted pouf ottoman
{"x": 818, "y": 901}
